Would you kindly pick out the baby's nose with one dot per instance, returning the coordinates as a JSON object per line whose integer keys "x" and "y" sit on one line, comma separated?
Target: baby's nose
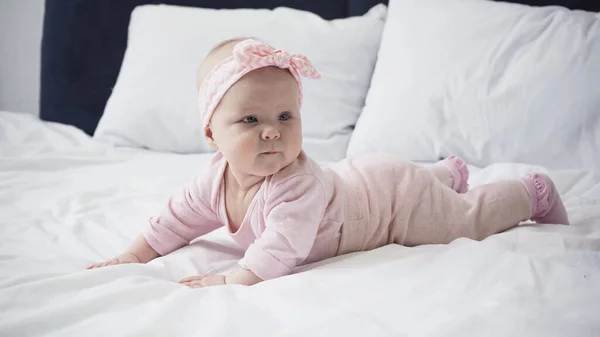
{"x": 270, "y": 133}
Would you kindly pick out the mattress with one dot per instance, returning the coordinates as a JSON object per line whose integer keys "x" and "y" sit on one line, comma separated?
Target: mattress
{"x": 67, "y": 201}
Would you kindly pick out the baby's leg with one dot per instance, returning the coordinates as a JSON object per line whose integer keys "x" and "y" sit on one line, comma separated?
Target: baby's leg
{"x": 483, "y": 211}
{"x": 452, "y": 172}
{"x": 547, "y": 206}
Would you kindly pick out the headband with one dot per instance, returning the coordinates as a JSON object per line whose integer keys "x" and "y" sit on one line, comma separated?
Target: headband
{"x": 249, "y": 55}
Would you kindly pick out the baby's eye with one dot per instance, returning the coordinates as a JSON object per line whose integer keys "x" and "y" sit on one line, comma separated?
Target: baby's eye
{"x": 284, "y": 116}
{"x": 249, "y": 119}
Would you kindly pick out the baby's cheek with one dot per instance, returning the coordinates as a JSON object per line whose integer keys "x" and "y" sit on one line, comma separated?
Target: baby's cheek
{"x": 244, "y": 147}
{"x": 295, "y": 133}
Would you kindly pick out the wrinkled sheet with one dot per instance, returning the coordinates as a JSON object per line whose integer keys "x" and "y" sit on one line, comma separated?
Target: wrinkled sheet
{"x": 67, "y": 201}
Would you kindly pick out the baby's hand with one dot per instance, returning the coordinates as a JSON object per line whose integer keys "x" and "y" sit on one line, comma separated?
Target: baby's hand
{"x": 203, "y": 281}
{"x": 121, "y": 259}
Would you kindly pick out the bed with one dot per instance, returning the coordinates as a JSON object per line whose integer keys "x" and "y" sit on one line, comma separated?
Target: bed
{"x": 68, "y": 200}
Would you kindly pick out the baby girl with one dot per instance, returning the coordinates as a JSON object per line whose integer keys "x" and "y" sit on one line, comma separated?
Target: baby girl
{"x": 285, "y": 210}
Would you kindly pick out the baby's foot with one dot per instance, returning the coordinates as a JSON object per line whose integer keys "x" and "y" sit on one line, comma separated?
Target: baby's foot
{"x": 460, "y": 173}
{"x": 546, "y": 204}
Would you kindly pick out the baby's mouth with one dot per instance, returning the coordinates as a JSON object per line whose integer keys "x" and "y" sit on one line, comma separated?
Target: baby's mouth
{"x": 269, "y": 152}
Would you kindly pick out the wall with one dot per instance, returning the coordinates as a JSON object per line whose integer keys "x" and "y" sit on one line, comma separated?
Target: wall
{"x": 20, "y": 40}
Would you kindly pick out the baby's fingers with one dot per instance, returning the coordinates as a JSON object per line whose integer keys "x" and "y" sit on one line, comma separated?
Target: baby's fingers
{"x": 197, "y": 284}
{"x": 107, "y": 263}
{"x": 104, "y": 264}
{"x": 189, "y": 283}
{"x": 191, "y": 278}
{"x": 95, "y": 265}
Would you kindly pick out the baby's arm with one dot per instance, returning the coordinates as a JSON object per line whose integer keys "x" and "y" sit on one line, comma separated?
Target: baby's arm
{"x": 242, "y": 276}
{"x": 294, "y": 211}
{"x": 138, "y": 252}
{"x": 141, "y": 249}
{"x": 237, "y": 276}
{"x": 185, "y": 218}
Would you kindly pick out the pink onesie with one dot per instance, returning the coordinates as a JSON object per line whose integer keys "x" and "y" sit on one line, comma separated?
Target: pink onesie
{"x": 306, "y": 213}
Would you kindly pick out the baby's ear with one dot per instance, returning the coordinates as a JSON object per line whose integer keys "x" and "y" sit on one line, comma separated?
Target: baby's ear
{"x": 209, "y": 138}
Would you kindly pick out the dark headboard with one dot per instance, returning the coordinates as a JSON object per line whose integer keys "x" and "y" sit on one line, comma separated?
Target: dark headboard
{"x": 84, "y": 42}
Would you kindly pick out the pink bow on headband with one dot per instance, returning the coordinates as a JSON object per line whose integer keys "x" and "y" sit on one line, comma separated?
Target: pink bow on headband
{"x": 257, "y": 54}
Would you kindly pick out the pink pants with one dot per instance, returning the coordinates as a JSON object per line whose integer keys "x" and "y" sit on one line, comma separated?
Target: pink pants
{"x": 390, "y": 200}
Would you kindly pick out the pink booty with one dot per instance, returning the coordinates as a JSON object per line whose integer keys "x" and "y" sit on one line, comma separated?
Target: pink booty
{"x": 460, "y": 173}
{"x": 546, "y": 204}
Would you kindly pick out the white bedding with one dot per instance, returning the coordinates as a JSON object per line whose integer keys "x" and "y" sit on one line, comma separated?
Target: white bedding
{"x": 66, "y": 201}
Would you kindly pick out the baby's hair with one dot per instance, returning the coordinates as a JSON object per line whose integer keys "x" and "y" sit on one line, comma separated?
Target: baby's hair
{"x": 221, "y": 45}
{"x": 226, "y": 42}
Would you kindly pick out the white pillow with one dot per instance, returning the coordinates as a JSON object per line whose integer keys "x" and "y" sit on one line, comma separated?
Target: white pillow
{"x": 153, "y": 104}
{"x": 488, "y": 81}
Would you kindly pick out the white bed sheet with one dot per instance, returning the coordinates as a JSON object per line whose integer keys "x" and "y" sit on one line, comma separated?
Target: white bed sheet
{"x": 66, "y": 201}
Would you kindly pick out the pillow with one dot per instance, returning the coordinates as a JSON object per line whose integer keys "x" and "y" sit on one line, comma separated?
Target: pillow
{"x": 153, "y": 104}
{"x": 488, "y": 81}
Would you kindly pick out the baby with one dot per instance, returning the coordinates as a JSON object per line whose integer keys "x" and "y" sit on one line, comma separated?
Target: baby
{"x": 285, "y": 210}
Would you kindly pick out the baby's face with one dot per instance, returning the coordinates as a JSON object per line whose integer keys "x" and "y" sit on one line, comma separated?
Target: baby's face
{"x": 257, "y": 125}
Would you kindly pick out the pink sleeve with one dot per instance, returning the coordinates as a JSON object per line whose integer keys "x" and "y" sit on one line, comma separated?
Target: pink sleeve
{"x": 294, "y": 211}
{"x": 185, "y": 217}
